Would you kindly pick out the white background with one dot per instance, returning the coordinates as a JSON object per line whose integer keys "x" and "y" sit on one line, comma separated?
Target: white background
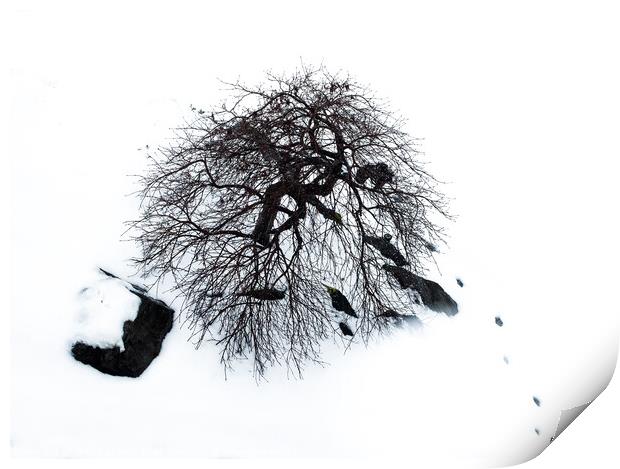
{"x": 517, "y": 103}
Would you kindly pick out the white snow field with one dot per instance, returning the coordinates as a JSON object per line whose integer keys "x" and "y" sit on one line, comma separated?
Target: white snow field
{"x": 525, "y": 142}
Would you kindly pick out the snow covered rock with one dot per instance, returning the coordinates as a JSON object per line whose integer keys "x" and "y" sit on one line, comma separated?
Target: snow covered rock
{"x": 126, "y": 348}
{"x": 401, "y": 320}
{"x": 432, "y": 294}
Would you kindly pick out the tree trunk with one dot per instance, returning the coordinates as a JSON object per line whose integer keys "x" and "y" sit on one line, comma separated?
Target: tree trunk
{"x": 267, "y": 216}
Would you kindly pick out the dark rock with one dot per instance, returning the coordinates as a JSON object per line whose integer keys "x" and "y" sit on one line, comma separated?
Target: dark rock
{"x": 400, "y": 320}
{"x": 499, "y": 321}
{"x": 411, "y": 320}
{"x": 536, "y": 401}
{"x": 459, "y": 282}
{"x": 135, "y": 286}
{"x": 389, "y": 313}
{"x": 404, "y": 278}
{"x": 432, "y": 294}
{"x": 537, "y": 431}
{"x": 109, "y": 274}
{"x": 268, "y": 294}
{"x": 142, "y": 339}
{"x": 140, "y": 288}
{"x": 340, "y": 302}
{"x": 386, "y": 248}
{"x": 345, "y": 329}
{"x": 431, "y": 247}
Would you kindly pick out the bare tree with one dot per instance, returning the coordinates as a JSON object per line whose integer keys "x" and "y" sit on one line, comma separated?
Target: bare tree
{"x": 286, "y": 196}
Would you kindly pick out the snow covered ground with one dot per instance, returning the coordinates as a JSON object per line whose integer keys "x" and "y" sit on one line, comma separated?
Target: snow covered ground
{"x": 528, "y": 155}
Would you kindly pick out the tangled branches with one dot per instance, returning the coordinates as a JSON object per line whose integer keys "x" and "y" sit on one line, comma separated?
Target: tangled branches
{"x": 282, "y": 190}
